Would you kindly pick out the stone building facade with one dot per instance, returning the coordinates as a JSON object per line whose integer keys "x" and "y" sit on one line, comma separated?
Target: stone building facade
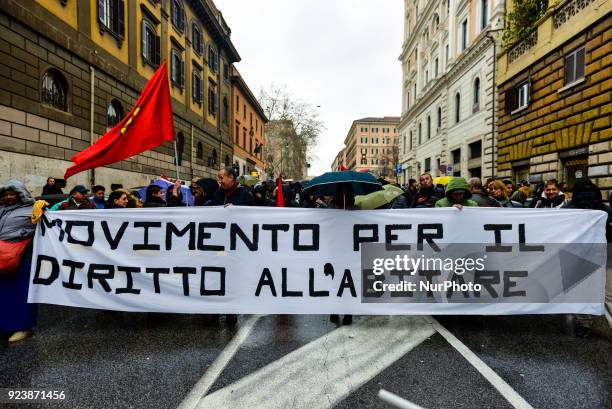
{"x": 285, "y": 152}
{"x": 372, "y": 144}
{"x": 339, "y": 162}
{"x": 448, "y": 92}
{"x": 555, "y": 98}
{"x": 52, "y": 54}
{"x": 248, "y": 128}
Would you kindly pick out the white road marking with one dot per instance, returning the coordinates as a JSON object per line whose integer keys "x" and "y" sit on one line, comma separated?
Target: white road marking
{"x": 201, "y": 388}
{"x": 395, "y": 401}
{"x": 325, "y": 371}
{"x": 490, "y": 375}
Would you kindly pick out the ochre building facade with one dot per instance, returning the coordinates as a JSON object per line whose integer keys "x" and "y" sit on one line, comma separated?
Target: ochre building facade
{"x": 53, "y": 53}
{"x": 556, "y": 99}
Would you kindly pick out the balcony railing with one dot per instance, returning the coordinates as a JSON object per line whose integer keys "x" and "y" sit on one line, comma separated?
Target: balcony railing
{"x": 568, "y": 10}
{"x": 523, "y": 46}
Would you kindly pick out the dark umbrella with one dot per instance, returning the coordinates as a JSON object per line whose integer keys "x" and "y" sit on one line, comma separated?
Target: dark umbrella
{"x": 327, "y": 184}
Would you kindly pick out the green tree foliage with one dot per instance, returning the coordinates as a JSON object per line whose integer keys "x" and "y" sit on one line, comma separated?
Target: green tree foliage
{"x": 521, "y": 20}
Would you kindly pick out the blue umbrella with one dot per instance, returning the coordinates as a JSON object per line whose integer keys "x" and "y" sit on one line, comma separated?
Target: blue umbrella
{"x": 362, "y": 183}
{"x": 165, "y": 184}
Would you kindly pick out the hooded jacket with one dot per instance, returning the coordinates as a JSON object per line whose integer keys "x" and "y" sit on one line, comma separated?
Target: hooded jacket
{"x": 15, "y": 220}
{"x": 457, "y": 184}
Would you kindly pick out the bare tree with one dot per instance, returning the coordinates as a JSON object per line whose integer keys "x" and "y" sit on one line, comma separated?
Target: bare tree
{"x": 279, "y": 104}
{"x": 387, "y": 160}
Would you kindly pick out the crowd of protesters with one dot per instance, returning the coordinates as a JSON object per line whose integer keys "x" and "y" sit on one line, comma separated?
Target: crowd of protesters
{"x": 16, "y": 203}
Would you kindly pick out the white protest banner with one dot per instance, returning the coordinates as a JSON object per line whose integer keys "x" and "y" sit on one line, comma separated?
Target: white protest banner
{"x": 309, "y": 261}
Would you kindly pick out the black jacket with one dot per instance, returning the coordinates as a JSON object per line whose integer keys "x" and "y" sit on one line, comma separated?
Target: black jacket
{"x": 241, "y": 196}
{"x": 427, "y": 197}
{"x": 484, "y": 200}
{"x": 154, "y": 201}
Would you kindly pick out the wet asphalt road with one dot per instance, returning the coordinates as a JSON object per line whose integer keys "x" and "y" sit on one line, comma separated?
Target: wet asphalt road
{"x": 126, "y": 360}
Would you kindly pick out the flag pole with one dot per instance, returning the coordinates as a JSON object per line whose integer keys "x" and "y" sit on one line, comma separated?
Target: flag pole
{"x": 176, "y": 160}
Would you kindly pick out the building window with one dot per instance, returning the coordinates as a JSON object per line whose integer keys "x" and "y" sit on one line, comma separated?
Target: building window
{"x": 111, "y": 16}
{"x": 427, "y": 165}
{"x": 484, "y": 10}
{"x": 420, "y": 135}
{"x": 225, "y": 110}
{"x": 244, "y": 138}
{"x": 475, "y": 149}
{"x": 200, "y": 151}
{"x": 177, "y": 69}
{"x": 410, "y": 140}
{"x": 178, "y": 15}
{"x": 523, "y": 95}
{"x": 456, "y": 156}
{"x": 226, "y": 71}
{"x": 212, "y": 59}
{"x": 54, "y": 90}
{"x": 436, "y": 68}
{"x": 464, "y": 32}
{"x": 150, "y": 44}
{"x": 428, "y": 127}
{"x": 227, "y": 160}
{"x": 439, "y": 120}
{"x": 237, "y": 134}
{"x": 212, "y": 98}
{"x": 476, "y": 106}
{"x": 364, "y": 139}
{"x": 457, "y": 107}
{"x": 196, "y": 39}
{"x": 446, "y": 54}
{"x": 244, "y": 111}
{"x": 180, "y": 145}
{"x": 364, "y": 161}
{"x": 574, "y": 66}
{"x": 114, "y": 113}
{"x": 237, "y": 103}
{"x": 197, "y": 85}
{"x": 517, "y": 97}
{"x": 213, "y": 158}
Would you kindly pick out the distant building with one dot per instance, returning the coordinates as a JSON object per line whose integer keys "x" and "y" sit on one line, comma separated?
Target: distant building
{"x": 555, "y": 101}
{"x": 372, "y": 144}
{"x": 53, "y": 51}
{"x": 447, "y": 64}
{"x": 248, "y": 123}
{"x": 339, "y": 161}
{"x": 284, "y": 151}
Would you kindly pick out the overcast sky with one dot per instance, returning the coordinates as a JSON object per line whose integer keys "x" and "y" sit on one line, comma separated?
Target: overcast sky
{"x": 339, "y": 54}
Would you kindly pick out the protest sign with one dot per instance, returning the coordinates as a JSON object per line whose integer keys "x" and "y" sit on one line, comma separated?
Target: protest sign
{"x": 316, "y": 261}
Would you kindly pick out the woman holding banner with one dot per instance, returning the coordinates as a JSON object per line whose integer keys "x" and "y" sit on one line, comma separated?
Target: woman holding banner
{"x": 17, "y": 317}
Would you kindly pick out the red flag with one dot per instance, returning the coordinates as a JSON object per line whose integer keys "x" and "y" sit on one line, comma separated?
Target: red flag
{"x": 149, "y": 124}
{"x": 280, "y": 197}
